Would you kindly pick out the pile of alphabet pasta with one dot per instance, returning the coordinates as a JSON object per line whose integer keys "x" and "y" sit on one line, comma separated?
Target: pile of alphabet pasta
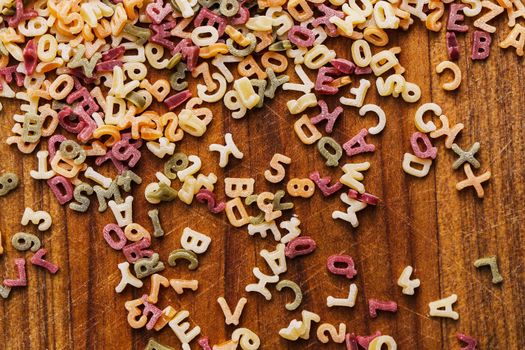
{"x": 119, "y": 82}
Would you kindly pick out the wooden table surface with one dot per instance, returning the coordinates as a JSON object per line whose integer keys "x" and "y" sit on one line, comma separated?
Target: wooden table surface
{"x": 425, "y": 223}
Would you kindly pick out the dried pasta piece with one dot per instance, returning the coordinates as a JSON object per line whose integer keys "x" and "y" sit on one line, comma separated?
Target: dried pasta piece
{"x": 471, "y": 342}
{"x": 374, "y": 305}
{"x": 454, "y": 84}
{"x": 226, "y": 150}
{"x": 246, "y": 338}
{"x": 429, "y": 126}
{"x": 21, "y": 280}
{"x": 443, "y": 307}
{"x": 23, "y": 241}
{"x": 238, "y": 187}
{"x": 473, "y": 180}
{"x": 466, "y": 156}
{"x": 275, "y": 164}
{"x": 232, "y": 318}
{"x": 185, "y": 254}
{"x": 298, "y": 295}
{"x": 334, "y": 263}
{"x": 379, "y": 343}
{"x": 8, "y": 182}
{"x": 492, "y": 262}
{"x": 406, "y": 283}
{"x": 40, "y": 218}
{"x": 409, "y": 159}
{"x": 299, "y": 129}
{"x": 153, "y": 344}
{"x": 516, "y": 39}
{"x": 353, "y": 175}
{"x": 145, "y": 267}
{"x": 338, "y": 336}
{"x": 194, "y": 241}
{"x": 345, "y": 302}
{"x": 330, "y": 150}
{"x": 181, "y": 329}
{"x": 300, "y": 188}
{"x": 260, "y": 287}
{"x": 38, "y": 260}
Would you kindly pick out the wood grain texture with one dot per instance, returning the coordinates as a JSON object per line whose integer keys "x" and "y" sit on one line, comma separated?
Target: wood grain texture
{"x": 425, "y": 223}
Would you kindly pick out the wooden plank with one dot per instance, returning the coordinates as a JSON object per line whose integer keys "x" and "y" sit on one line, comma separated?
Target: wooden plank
{"x": 422, "y": 222}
